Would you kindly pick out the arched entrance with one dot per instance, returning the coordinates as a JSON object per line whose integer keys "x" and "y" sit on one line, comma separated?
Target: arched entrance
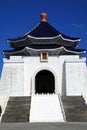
{"x": 44, "y": 82}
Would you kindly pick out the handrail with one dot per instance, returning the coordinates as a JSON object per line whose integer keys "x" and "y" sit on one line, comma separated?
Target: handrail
{"x": 61, "y": 104}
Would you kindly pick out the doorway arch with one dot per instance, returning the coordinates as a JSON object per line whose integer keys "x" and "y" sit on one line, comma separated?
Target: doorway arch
{"x": 44, "y": 82}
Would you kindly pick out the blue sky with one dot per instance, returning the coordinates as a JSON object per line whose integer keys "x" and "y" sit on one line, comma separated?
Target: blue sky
{"x": 19, "y": 16}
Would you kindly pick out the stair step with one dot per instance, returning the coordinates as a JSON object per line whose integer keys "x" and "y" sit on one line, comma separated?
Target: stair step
{"x": 15, "y": 118}
{"x": 17, "y": 110}
{"x": 75, "y": 109}
{"x": 25, "y": 98}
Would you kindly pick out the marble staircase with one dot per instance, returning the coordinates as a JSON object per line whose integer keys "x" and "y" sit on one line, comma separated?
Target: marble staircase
{"x": 75, "y": 108}
{"x": 17, "y": 110}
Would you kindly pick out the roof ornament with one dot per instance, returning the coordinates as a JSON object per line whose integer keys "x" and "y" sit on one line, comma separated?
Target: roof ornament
{"x": 43, "y": 17}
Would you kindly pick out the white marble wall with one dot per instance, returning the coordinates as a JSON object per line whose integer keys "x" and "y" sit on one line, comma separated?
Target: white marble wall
{"x": 12, "y": 79}
{"x": 18, "y": 75}
{"x": 76, "y": 80}
{"x": 32, "y": 65}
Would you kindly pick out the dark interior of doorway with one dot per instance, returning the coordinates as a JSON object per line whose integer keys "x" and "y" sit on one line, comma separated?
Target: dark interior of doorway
{"x": 44, "y": 82}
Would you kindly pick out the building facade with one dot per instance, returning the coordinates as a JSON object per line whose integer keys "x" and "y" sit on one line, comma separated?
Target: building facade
{"x": 43, "y": 61}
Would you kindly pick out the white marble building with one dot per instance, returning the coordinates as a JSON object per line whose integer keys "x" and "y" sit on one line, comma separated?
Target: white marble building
{"x": 43, "y": 61}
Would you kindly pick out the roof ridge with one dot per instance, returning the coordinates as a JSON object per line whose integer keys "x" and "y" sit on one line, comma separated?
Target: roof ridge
{"x": 32, "y": 29}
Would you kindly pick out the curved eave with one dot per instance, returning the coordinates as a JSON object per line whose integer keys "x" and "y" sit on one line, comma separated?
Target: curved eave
{"x": 30, "y": 51}
{"x": 42, "y": 38}
{"x": 59, "y": 40}
{"x": 16, "y": 40}
{"x": 53, "y": 38}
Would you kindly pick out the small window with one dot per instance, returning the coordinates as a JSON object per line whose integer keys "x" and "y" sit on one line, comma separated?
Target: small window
{"x": 44, "y": 56}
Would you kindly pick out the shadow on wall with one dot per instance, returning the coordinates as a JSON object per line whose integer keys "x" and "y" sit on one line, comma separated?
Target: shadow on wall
{"x": 0, "y": 110}
{"x": 64, "y": 80}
